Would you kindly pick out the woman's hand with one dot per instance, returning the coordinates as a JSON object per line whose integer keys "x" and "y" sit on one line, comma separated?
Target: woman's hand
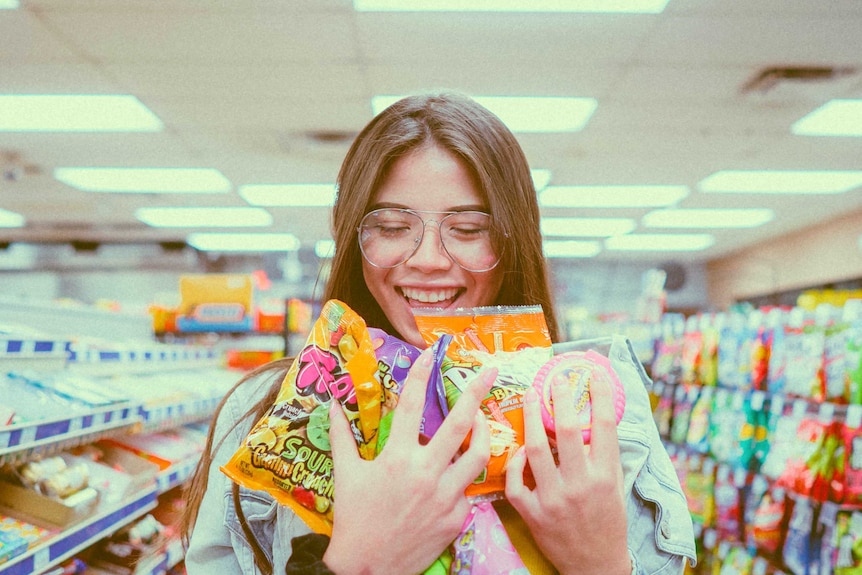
{"x": 576, "y": 512}
{"x": 398, "y": 512}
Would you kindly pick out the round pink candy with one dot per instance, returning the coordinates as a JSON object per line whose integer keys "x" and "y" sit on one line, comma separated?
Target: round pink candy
{"x": 578, "y": 369}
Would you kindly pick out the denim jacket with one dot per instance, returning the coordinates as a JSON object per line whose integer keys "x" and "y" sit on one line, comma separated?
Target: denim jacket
{"x": 660, "y": 534}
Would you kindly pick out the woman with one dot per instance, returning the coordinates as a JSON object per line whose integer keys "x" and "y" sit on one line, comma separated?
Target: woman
{"x": 447, "y": 174}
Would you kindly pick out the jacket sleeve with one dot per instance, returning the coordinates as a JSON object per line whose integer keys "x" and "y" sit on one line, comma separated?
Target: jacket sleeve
{"x": 660, "y": 533}
{"x": 215, "y": 547}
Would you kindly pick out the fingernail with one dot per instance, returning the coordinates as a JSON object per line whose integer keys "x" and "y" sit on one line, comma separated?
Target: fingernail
{"x": 489, "y": 376}
{"x": 531, "y": 396}
{"x": 427, "y": 357}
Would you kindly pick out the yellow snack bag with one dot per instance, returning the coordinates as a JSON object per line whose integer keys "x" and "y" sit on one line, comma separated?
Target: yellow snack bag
{"x": 287, "y": 452}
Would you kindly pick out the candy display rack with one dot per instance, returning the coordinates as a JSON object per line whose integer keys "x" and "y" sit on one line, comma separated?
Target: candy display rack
{"x": 204, "y": 380}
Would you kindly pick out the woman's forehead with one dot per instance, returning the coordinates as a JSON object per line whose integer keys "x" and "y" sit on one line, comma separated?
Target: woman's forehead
{"x": 429, "y": 178}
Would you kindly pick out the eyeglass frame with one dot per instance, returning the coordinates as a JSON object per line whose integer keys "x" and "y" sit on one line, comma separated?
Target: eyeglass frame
{"x": 422, "y": 235}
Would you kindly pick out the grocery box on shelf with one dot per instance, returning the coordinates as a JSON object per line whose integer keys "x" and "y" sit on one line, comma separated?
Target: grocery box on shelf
{"x": 117, "y": 470}
{"x": 30, "y": 505}
{"x": 17, "y": 536}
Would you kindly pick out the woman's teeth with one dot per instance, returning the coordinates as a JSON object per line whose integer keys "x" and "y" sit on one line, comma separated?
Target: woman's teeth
{"x": 430, "y": 297}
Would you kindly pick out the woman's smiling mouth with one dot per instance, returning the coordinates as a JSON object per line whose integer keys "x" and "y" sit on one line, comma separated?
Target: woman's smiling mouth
{"x": 424, "y": 297}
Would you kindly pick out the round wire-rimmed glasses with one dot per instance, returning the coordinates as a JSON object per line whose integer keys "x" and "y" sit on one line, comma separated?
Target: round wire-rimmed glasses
{"x": 388, "y": 237}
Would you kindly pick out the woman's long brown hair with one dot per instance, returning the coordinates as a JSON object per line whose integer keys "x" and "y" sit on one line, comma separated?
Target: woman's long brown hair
{"x": 455, "y": 123}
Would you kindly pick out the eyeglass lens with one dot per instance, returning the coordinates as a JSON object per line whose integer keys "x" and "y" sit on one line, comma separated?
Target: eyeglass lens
{"x": 389, "y": 237}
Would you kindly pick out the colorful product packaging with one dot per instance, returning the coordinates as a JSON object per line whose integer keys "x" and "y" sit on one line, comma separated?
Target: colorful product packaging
{"x": 287, "y": 452}
{"x": 488, "y": 329}
{"x": 697, "y": 436}
{"x": 516, "y": 340}
{"x": 579, "y": 370}
{"x": 394, "y": 360}
{"x": 484, "y": 547}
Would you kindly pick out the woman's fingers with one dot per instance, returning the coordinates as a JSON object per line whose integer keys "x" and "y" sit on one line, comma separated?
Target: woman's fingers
{"x": 460, "y": 420}
{"x": 522, "y": 497}
{"x": 568, "y": 431}
{"x": 538, "y": 451}
{"x": 344, "y": 451}
{"x": 604, "y": 443}
{"x": 470, "y": 464}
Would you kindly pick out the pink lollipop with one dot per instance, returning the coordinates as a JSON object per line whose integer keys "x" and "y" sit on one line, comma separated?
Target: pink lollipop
{"x": 579, "y": 369}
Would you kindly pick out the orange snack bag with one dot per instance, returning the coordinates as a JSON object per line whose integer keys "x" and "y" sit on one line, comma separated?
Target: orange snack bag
{"x": 489, "y": 328}
{"x": 287, "y": 452}
{"x": 516, "y": 340}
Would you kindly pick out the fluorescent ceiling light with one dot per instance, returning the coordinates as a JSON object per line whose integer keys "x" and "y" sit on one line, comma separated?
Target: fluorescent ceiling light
{"x": 627, "y": 6}
{"x": 525, "y": 113}
{"x": 660, "y": 242}
{"x": 8, "y": 4}
{"x": 541, "y": 178}
{"x": 782, "y": 182}
{"x": 297, "y": 195}
{"x": 11, "y": 219}
{"x": 570, "y": 248}
{"x": 834, "y": 118}
{"x": 611, "y": 196}
{"x": 708, "y": 218}
{"x": 204, "y": 217}
{"x": 76, "y": 113}
{"x": 252, "y": 242}
{"x": 586, "y": 227}
{"x": 144, "y": 180}
{"x": 324, "y": 248}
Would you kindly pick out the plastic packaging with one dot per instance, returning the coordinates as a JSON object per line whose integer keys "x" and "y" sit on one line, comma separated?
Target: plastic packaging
{"x": 287, "y": 453}
{"x": 484, "y": 547}
{"x": 579, "y": 370}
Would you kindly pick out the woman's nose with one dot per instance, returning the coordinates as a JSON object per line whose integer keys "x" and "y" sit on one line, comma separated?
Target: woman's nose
{"x": 430, "y": 253}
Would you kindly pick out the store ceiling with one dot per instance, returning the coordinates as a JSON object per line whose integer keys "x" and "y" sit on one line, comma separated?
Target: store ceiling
{"x": 257, "y": 88}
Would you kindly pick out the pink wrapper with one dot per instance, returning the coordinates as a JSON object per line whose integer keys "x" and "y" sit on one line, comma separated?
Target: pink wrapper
{"x": 484, "y": 547}
{"x": 579, "y": 369}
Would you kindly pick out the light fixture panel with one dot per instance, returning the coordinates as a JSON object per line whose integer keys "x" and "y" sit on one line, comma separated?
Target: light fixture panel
{"x": 10, "y": 219}
{"x": 782, "y": 181}
{"x": 708, "y": 218}
{"x": 144, "y": 180}
{"x": 243, "y": 242}
{"x": 594, "y": 6}
{"x": 324, "y": 248}
{"x": 660, "y": 242}
{"x": 217, "y": 217}
{"x": 76, "y": 113}
{"x": 571, "y": 248}
{"x": 614, "y": 196}
{"x": 292, "y": 195}
{"x": 586, "y": 227}
{"x": 834, "y": 118}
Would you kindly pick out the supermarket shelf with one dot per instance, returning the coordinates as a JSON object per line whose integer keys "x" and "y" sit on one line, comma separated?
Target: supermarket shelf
{"x": 145, "y": 355}
{"x": 161, "y": 417}
{"x": 175, "y": 475}
{"x": 80, "y": 536}
{"x": 67, "y": 352}
{"x": 162, "y": 562}
{"x": 14, "y": 347}
{"x": 75, "y": 322}
{"x": 21, "y": 442}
